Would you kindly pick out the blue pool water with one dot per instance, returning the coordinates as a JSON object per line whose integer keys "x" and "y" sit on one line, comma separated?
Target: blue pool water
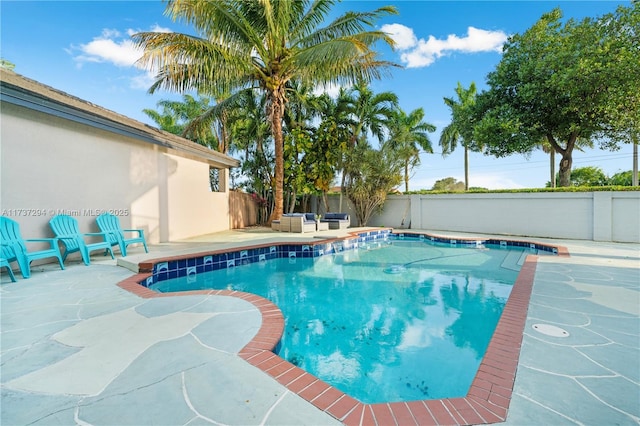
{"x": 401, "y": 321}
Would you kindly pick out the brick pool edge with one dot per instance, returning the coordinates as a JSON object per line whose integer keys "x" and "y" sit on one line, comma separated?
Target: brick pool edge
{"x": 486, "y": 402}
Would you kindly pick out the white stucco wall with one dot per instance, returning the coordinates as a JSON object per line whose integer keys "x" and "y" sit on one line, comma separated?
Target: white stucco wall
{"x": 597, "y": 216}
{"x": 54, "y": 165}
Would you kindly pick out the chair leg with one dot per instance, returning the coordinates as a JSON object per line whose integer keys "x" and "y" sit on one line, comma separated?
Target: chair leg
{"x": 11, "y": 275}
{"x": 60, "y": 262}
{"x": 25, "y": 268}
{"x": 86, "y": 256}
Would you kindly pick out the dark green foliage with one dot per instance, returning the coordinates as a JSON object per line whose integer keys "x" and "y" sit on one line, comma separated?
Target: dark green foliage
{"x": 562, "y": 82}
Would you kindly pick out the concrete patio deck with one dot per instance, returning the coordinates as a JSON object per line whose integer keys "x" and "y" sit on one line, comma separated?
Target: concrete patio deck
{"x": 78, "y": 349}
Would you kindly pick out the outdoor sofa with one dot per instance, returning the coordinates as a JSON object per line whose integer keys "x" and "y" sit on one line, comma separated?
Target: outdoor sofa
{"x": 300, "y": 222}
{"x": 337, "y": 220}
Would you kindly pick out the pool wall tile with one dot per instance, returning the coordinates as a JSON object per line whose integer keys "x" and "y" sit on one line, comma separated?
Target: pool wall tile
{"x": 177, "y": 267}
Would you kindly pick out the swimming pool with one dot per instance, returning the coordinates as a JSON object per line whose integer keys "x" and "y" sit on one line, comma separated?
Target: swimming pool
{"x": 407, "y": 324}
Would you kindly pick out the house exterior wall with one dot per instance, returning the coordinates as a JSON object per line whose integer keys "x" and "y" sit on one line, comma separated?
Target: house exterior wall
{"x": 51, "y": 165}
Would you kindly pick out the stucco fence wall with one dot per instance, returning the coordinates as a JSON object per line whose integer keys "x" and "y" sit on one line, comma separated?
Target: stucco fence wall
{"x": 597, "y": 216}
{"x": 243, "y": 210}
{"x": 51, "y": 165}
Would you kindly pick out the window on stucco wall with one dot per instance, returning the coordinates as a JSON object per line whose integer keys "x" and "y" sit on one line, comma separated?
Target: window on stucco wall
{"x": 217, "y": 180}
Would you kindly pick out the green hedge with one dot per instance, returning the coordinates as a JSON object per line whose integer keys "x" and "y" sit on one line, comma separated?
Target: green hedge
{"x": 525, "y": 190}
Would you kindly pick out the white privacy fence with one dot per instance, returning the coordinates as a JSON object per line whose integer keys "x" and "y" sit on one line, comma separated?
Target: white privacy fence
{"x": 597, "y": 216}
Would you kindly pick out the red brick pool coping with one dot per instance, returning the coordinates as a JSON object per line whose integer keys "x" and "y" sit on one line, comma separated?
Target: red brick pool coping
{"x": 487, "y": 400}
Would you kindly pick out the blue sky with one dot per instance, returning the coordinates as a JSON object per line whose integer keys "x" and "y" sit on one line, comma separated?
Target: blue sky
{"x": 83, "y": 48}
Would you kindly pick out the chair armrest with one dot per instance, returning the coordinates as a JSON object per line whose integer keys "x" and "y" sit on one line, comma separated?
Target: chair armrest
{"x": 52, "y": 241}
{"x": 96, "y": 234}
{"x": 139, "y": 231}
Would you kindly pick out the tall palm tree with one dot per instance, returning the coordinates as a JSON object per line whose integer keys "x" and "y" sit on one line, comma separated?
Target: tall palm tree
{"x": 263, "y": 45}
{"x": 407, "y": 135}
{"x": 371, "y": 113}
{"x": 459, "y": 128}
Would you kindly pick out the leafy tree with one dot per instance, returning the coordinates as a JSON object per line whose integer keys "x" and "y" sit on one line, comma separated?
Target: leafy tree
{"x": 378, "y": 173}
{"x": 461, "y": 127}
{"x": 407, "y": 135}
{"x": 264, "y": 45}
{"x": 298, "y": 134}
{"x": 622, "y": 179}
{"x": 548, "y": 149}
{"x": 587, "y": 176}
{"x": 331, "y": 141}
{"x": 448, "y": 184}
{"x": 562, "y": 83}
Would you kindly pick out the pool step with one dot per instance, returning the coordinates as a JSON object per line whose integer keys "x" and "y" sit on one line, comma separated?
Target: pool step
{"x": 514, "y": 259}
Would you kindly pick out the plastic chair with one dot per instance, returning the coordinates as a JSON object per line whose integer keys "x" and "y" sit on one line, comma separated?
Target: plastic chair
{"x": 66, "y": 229}
{"x": 5, "y": 255}
{"x": 110, "y": 225}
{"x": 12, "y": 242}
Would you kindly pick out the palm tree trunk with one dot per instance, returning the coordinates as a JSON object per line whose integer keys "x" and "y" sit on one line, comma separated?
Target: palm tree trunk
{"x": 276, "y": 113}
{"x": 466, "y": 168}
{"x": 634, "y": 174}
{"x": 552, "y": 167}
{"x": 406, "y": 176}
{"x": 344, "y": 177}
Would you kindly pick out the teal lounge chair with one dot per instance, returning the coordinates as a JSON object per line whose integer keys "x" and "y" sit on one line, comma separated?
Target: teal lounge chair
{"x": 66, "y": 229}
{"x": 12, "y": 242}
{"x": 5, "y": 255}
{"x": 110, "y": 225}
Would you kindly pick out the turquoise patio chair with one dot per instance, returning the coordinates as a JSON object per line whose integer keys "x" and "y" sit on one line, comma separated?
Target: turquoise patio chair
{"x": 110, "y": 225}
{"x": 5, "y": 255}
{"x": 66, "y": 229}
{"x": 12, "y": 240}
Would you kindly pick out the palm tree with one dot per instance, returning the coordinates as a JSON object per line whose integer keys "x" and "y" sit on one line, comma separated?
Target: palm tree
{"x": 408, "y": 134}
{"x": 332, "y": 140}
{"x": 175, "y": 117}
{"x": 264, "y": 45}
{"x": 371, "y": 114}
{"x": 459, "y": 128}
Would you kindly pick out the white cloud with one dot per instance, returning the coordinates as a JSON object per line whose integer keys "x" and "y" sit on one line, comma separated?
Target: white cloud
{"x": 420, "y": 53}
{"x": 122, "y": 53}
{"x": 114, "y": 47}
{"x": 403, "y": 36}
